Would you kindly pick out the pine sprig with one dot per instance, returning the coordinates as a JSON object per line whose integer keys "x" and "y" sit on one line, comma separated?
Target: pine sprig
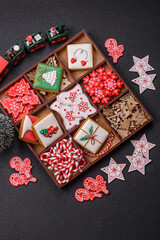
{"x": 6, "y": 132}
{"x": 91, "y": 130}
{"x": 84, "y": 138}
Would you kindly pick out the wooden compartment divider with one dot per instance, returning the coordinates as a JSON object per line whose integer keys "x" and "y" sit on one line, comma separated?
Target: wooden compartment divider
{"x": 76, "y": 78}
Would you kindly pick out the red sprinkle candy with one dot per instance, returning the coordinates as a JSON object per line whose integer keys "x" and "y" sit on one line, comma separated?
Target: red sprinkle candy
{"x": 102, "y": 85}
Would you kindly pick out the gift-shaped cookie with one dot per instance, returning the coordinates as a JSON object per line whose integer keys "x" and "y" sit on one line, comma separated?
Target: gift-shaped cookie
{"x": 25, "y": 133}
{"x": 47, "y": 130}
{"x": 48, "y": 78}
{"x": 80, "y": 56}
{"x": 91, "y": 135}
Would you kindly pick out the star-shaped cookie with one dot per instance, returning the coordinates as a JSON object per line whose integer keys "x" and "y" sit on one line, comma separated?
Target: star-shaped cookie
{"x": 138, "y": 162}
{"x": 114, "y": 170}
{"x": 143, "y": 145}
{"x": 141, "y": 64}
{"x": 145, "y": 81}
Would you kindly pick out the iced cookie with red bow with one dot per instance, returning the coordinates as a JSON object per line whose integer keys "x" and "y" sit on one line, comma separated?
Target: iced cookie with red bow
{"x": 91, "y": 136}
{"x": 47, "y": 130}
{"x": 26, "y": 134}
{"x": 80, "y": 56}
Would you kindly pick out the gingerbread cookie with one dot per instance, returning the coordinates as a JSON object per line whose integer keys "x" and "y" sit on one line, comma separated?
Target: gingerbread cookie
{"x": 80, "y": 56}
{"x": 47, "y": 130}
{"x": 90, "y": 136}
{"x": 25, "y": 133}
{"x": 48, "y": 78}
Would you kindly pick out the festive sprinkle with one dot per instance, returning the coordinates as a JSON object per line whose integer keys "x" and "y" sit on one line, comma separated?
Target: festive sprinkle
{"x": 102, "y": 85}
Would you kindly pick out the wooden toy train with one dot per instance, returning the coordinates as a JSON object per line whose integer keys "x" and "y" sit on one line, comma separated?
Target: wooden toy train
{"x": 30, "y": 44}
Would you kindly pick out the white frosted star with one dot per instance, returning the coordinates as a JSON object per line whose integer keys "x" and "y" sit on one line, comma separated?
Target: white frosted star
{"x": 141, "y": 64}
{"x": 138, "y": 162}
{"x": 114, "y": 170}
{"x": 145, "y": 81}
{"x": 142, "y": 145}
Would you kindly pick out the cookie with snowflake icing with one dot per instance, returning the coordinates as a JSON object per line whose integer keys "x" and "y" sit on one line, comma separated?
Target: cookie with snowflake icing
{"x": 48, "y": 78}
{"x": 69, "y": 97}
{"x": 80, "y": 56}
{"x": 83, "y": 107}
{"x": 47, "y": 129}
{"x": 68, "y": 115}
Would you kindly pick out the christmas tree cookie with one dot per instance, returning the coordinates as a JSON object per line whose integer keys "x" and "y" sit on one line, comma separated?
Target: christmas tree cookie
{"x": 80, "y": 56}
{"x": 91, "y": 135}
{"x": 26, "y": 134}
{"x": 48, "y": 78}
{"x": 47, "y": 130}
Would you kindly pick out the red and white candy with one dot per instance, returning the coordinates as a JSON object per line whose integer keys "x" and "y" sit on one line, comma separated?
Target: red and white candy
{"x": 64, "y": 160}
{"x": 102, "y": 85}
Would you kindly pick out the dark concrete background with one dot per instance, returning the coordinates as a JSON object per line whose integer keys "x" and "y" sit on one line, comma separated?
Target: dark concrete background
{"x": 42, "y": 211}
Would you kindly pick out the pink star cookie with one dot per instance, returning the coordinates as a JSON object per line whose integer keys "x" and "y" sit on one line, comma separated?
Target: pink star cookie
{"x": 138, "y": 162}
{"x": 141, "y": 64}
{"x": 114, "y": 170}
{"x": 142, "y": 145}
{"x": 145, "y": 81}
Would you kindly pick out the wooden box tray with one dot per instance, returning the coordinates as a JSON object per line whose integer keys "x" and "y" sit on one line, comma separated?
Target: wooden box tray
{"x": 75, "y": 77}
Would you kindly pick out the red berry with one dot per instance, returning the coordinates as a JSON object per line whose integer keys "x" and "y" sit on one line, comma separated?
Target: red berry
{"x": 73, "y": 60}
{"x": 83, "y": 63}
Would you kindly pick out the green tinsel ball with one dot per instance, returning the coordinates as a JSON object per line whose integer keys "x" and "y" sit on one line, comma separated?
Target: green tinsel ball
{"x": 6, "y": 132}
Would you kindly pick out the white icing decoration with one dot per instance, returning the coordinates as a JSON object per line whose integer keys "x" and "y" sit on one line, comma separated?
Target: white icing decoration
{"x": 46, "y": 122}
{"x": 66, "y": 98}
{"x": 81, "y": 52}
{"x": 27, "y": 123}
{"x": 80, "y": 103}
{"x": 50, "y": 77}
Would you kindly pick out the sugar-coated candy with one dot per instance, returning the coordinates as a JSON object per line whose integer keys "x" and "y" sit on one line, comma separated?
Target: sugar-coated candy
{"x": 102, "y": 85}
